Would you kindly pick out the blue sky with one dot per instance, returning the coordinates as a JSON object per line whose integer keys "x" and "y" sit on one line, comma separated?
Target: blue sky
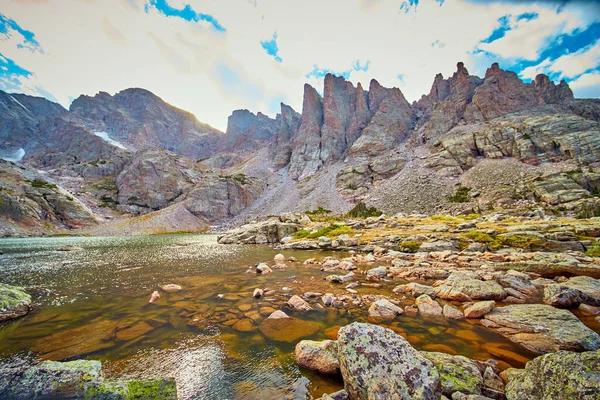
{"x": 211, "y": 57}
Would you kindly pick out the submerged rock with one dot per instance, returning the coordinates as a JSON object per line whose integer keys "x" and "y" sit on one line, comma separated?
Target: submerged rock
{"x": 377, "y": 363}
{"x": 542, "y": 328}
{"x": 287, "y": 329}
{"x": 77, "y": 379}
{"x": 14, "y": 302}
{"x": 561, "y": 375}
{"x": 320, "y": 356}
{"x": 171, "y": 287}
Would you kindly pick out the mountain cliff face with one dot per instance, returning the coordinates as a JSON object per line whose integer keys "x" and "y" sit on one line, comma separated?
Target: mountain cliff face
{"x": 132, "y": 154}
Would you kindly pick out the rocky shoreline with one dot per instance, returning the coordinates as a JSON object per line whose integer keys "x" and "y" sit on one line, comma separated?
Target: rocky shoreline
{"x": 533, "y": 280}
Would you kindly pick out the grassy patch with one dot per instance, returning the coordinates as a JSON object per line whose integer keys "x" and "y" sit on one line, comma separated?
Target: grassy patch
{"x": 461, "y": 195}
{"x": 331, "y": 231}
{"x": 492, "y": 242}
{"x": 411, "y": 245}
{"x": 445, "y": 218}
{"x": 107, "y": 183}
{"x": 38, "y": 183}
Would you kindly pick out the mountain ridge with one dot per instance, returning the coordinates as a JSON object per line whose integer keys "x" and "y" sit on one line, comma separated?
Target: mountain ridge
{"x": 356, "y": 144}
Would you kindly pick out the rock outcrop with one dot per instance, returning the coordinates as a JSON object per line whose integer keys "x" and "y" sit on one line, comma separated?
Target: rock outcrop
{"x": 542, "y": 328}
{"x": 29, "y": 202}
{"x": 77, "y": 380}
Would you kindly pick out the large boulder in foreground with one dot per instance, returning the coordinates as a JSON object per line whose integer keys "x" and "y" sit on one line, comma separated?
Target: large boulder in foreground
{"x": 77, "y": 380}
{"x": 377, "y": 363}
{"x": 562, "y": 375}
{"x": 542, "y": 328}
{"x": 320, "y": 356}
{"x": 14, "y": 302}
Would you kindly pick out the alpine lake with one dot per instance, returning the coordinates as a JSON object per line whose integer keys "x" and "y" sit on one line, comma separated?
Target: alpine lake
{"x": 93, "y": 304}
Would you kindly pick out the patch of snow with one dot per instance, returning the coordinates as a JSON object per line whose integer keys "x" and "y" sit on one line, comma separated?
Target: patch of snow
{"x": 104, "y": 136}
{"x": 19, "y": 103}
{"x": 15, "y": 157}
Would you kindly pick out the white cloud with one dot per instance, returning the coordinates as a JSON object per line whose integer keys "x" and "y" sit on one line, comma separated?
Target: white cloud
{"x": 109, "y": 46}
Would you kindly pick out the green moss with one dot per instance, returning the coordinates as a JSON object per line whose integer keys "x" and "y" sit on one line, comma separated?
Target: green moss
{"x": 12, "y": 296}
{"x": 411, "y": 245}
{"x": 491, "y": 241}
{"x": 107, "y": 183}
{"x": 301, "y": 234}
{"x": 133, "y": 389}
{"x": 445, "y": 218}
{"x": 593, "y": 250}
{"x": 523, "y": 242}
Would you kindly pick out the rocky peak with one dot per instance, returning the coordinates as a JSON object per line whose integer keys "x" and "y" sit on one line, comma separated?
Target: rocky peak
{"x": 305, "y": 159}
{"x": 376, "y": 95}
{"x": 247, "y": 132}
{"x": 502, "y": 92}
{"x": 551, "y": 93}
{"x": 339, "y": 107}
{"x": 281, "y": 145}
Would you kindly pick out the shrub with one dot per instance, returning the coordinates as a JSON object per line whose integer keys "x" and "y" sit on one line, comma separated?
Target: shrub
{"x": 318, "y": 211}
{"x": 38, "y": 183}
{"x": 461, "y": 195}
{"x": 360, "y": 210}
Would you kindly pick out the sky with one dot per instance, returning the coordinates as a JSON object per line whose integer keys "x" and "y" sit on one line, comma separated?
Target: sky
{"x": 211, "y": 57}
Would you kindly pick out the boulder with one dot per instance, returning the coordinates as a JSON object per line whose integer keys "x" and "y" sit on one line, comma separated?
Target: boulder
{"x": 474, "y": 289}
{"x": 14, "y": 302}
{"x": 319, "y": 356}
{"x": 383, "y": 309}
{"x": 457, "y": 373}
{"x": 428, "y": 306}
{"x": 297, "y": 303}
{"x": 263, "y": 268}
{"x": 340, "y": 278}
{"x": 450, "y": 312}
{"x": 375, "y": 274}
{"x": 439, "y": 245}
{"x": 279, "y": 257}
{"x": 576, "y": 290}
{"x": 278, "y": 314}
{"x": 258, "y": 293}
{"x": 561, "y": 375}
{"x": 479, "y": 309}
{"x": 542, "y": 328}
{"x": 377, "y": 363}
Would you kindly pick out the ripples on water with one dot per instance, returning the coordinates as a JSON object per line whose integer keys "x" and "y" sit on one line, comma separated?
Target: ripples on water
{"x": 93, "y": 304}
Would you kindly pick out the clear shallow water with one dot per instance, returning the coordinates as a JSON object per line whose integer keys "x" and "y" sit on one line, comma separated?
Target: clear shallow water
{"x": 94, "y": 304}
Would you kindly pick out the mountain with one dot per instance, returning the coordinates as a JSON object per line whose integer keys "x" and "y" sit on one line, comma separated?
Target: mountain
{"x": 137, "y": 164}
{"x": 139, "y": 119}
